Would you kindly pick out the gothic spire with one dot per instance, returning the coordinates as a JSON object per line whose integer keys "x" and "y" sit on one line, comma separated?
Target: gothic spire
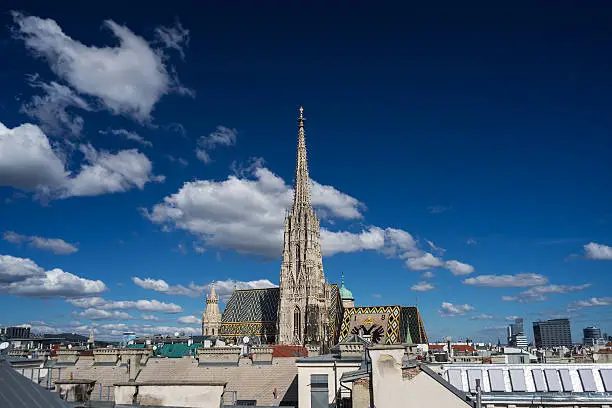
{"x": 301, "y": 189}
{"x": 212, "y": 295}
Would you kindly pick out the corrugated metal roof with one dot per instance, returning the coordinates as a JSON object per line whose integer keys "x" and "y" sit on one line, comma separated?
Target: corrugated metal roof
{"x": 16, "y": 391}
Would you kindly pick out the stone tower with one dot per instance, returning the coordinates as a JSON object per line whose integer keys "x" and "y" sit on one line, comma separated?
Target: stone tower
{"x": 211, "y": 318}
{"x": 303, "y": 304}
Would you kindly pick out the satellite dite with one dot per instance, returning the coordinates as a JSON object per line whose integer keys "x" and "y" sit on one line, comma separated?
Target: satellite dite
{"x": 4, "y": 347}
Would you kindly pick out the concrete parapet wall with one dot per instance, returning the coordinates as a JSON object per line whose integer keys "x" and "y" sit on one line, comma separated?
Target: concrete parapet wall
{"x": 106, "y": 355}
{"x": 313, "y": 351}
{"x": 227, "y": 355}
{"x": 262, "y": 355}
{"x": 351, "y": 349}
{"x": 67, "y": 356}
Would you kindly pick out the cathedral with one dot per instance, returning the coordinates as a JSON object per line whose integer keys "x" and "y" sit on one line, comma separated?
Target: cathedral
{"x": 306, "y": 309}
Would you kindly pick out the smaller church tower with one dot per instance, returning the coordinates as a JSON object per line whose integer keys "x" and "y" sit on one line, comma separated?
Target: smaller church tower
{"x": 347, "y": 296}
{"x": 91, "y": 342}
{"x": 211, "y": 318}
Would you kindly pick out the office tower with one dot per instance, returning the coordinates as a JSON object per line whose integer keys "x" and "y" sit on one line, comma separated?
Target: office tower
{"x": 516, "y": 334}
{"x": 592, "y": 336}
{"x": 552, "y": 333}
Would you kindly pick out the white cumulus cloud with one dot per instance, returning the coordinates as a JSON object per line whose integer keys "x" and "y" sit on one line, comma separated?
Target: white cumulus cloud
{"x": 189, "y": 320}
{"x": 128, "y": 78}
{"x": 423, "y": 262}
{"x": 99, "y": 314}
{"x": 422, "y": 287}
{"x": 161, "y": 286}
{"x": 23, "y": 277}
{"x": 246, "y": 211}
{"x": 520, "y": 280}
{"x": 29, "y": 163}
{"x": 448, "y": 309}
{"x": 459, "y": 268}
{"x": 140, "y": 305}
{"x": 54, "y": 109}
{"x": 55, "y": 245}
{"x": 222, "y": 136}
{"x": 598, "y": 252}
{"x": 592, "y": 302}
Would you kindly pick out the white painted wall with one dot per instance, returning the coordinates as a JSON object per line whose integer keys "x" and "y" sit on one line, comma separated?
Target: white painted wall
{"x": 391, "y": 390}
{"x": 193, "y": 396}
{"x": 305, "y": 370}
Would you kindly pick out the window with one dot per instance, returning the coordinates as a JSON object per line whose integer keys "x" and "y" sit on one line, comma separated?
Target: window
{"x": 297, "y": 323}
{"x": 496, "y": 378}
{"x": 566, "y": 380}
{"x": 552, "y": 379}
{"x": 212, "y": 331}
{"x": 517, "y": 380}
{"x": 454, "y": 377}
{"x": 588, "y": 380}
{"x": 539, "y": 381}
{"x": 474, "y": 375}
{"x": 319, "y": 394}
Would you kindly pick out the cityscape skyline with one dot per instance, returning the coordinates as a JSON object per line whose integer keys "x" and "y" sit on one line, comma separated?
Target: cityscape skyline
{"x": 446, "y": 178}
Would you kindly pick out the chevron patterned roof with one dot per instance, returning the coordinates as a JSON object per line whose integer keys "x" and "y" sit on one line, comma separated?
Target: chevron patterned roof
{"x": 252, "y": 305}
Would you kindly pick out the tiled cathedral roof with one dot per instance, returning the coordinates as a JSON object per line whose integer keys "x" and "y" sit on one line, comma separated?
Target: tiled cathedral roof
{"x": 252, "y": 305}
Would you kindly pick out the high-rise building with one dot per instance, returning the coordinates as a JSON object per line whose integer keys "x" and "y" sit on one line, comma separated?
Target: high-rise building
{"x": 16, "y": 332}
{"x": 516, "y": 334}
{"x": 552, "y": 333}
{"x": 303, "y": 299}
{"x": 592, "y": 336}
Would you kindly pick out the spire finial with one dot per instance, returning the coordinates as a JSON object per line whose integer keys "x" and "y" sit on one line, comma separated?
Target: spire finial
{"x": 342, "y": 281}
{"x": 212, "y": 295}
{"x": 301, "y": 119}
{"x": 301, "y": 189}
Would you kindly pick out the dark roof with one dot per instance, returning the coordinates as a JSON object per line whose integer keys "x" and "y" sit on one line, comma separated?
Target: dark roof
{"x": 17, "y": 391}
{"x": 252, "y": 305}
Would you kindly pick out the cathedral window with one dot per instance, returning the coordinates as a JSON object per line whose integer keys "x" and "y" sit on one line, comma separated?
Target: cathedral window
{"x": 297, "y": 324}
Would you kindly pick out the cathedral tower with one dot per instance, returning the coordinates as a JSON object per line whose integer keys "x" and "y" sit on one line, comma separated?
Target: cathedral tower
{"x": 303, "y": 309}
{"x": 211, "y": 318}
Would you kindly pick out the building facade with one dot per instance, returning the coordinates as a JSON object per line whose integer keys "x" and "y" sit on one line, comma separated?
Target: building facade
{"x": 516, "y": 334}
{"x": 15, "y": 332}
{"x": 592, "y": 336}
{"x": 552, "y": 333}
{"x": 211, "y": 318}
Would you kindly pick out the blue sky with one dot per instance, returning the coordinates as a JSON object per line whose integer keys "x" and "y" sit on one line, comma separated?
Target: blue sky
{"x": 461, "y": 156}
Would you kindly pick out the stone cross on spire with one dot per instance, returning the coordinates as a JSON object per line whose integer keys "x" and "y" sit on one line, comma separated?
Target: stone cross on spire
{"x": 301, "y": 189}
